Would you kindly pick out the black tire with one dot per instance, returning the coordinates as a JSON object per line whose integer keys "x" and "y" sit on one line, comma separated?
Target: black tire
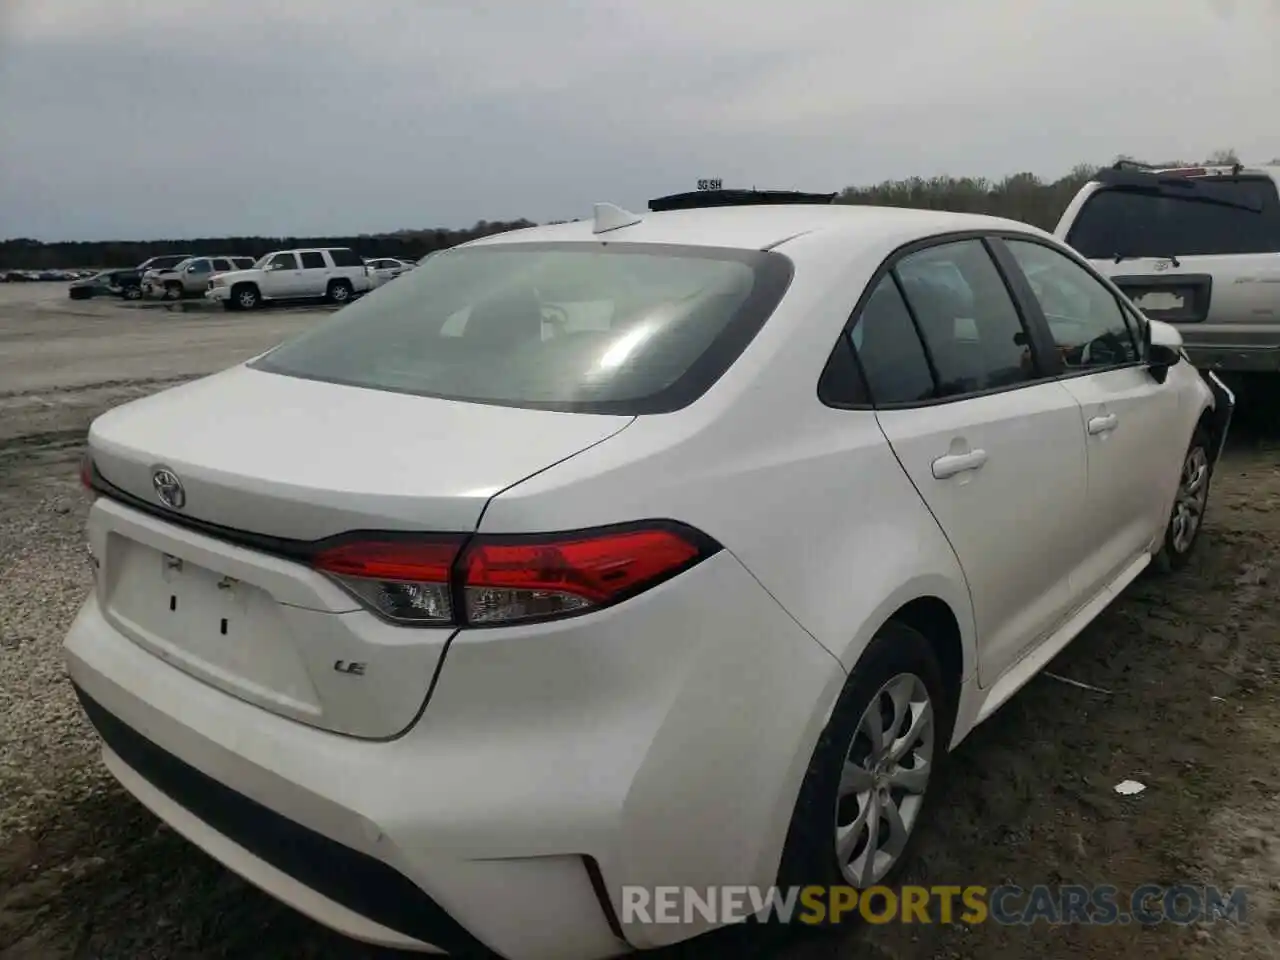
{"x": 246, "y": 296}
{"x": 1176, "y": 549}
{"x": 173, "y": 291}
{"x": 131, "y": 292}
{"x": 339, "y": 292}
{"x": 809, "y": 856}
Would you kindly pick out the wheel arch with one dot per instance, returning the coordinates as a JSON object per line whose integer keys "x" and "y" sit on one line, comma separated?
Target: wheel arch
{"x": 934, "y": 619}
{"x": 938, "y": 609}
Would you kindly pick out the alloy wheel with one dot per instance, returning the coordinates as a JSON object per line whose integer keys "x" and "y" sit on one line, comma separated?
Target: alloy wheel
{"x": 884, "y": 779}
{"x": 1193, "y": 493}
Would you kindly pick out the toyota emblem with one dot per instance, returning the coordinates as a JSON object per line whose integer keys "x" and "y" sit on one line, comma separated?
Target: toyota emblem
{"x": 169, "y": 488}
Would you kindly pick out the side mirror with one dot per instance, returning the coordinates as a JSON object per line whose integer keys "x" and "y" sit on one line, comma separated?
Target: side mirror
{"x": 1160, "y": 358}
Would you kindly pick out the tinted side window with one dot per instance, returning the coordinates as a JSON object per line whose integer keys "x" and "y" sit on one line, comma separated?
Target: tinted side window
{"x": 199, "y": 266}
{"x": 242, "y": 263}
{"x": 841, "y": 383}
{"x": 343, "y": 257}
{"x": 1089, "y": 327}
{"x": 967, "y": 318}
{"x": 1128, "y": 223}
{"x": 221, "y": 265}
{"x": 889, "y": 348}
{"x": 313, "y": 260}
{"x": 285, "y": 261}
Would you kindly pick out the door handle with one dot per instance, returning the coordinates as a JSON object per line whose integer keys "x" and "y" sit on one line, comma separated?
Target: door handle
{"x": 1103, "y": 424}
{"x": 954, "y": 463}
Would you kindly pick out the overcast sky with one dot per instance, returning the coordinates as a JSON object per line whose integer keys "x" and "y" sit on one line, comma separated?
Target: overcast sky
{"x": 140, "y": 119}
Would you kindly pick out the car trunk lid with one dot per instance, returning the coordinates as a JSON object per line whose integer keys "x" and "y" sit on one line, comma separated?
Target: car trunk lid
{"x": 218, "y": 585}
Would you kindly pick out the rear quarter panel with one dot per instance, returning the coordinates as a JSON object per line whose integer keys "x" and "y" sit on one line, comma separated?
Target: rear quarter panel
{"x": 809, "y": 498}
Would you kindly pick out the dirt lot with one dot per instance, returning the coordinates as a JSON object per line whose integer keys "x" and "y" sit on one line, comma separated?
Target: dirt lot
{"x": 1188, "y": 664}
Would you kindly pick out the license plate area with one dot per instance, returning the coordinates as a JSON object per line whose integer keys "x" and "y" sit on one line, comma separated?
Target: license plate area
{"x": 222, "y": 629}
{"x": 1183, "y": 298}
{"x": 199, "y": 601}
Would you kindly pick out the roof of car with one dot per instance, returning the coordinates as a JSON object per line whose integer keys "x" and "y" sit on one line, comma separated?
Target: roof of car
{"x": 759, "y": 227}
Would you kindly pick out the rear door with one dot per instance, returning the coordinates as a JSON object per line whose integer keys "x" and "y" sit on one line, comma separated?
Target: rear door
{"x": 1129, "y": 421}
{"x": 315, "y": 275}
{"x": 992, "y": 445}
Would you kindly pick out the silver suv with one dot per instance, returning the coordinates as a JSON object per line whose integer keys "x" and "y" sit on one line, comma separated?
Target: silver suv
{"x": 1195, "y": 246}
{"x": 190, "y": 277}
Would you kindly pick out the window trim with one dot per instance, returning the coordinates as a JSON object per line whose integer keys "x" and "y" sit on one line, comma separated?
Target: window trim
{"x": 1015, "y": 285}
{"x": 1070, "y": 373}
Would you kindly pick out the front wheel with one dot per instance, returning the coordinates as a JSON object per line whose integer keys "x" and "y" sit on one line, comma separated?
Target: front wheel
{"x": 865, "y": 792}
{"x": 173, "y": 291}
{"x": 132, "y": 293}
{"x": 246, "y": 297}
{"x": 339, "y": 292}
{"x": 1187, "y": 516}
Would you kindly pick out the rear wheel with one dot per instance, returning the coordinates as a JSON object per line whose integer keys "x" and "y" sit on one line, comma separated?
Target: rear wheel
{"x": 1189, "y": 504}
{"x": 867, "y": 787}
{"x": 339, "y": 292}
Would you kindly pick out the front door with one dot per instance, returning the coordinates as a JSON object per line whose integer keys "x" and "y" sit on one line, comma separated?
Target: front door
{"x": 1126, "y": 416}
{"x": 282, "y": 277}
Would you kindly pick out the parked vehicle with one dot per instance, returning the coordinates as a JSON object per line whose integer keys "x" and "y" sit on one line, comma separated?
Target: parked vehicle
{"x": 681, "y": 559}
{"x": 131, "y": 280}
{"x": 387, "y": 268}
{"x": 190, "y": 277}
{"x": 99, "y": 284}
{"x": 1197, "y": 247}
{"x": 335, "y": 273}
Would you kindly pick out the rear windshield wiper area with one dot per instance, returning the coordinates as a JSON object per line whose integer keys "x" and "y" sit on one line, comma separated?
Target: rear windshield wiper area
{"x": 1187, "y": 189}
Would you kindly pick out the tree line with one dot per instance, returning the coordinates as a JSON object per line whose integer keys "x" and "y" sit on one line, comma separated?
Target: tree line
{"x": 26, "y": 254}
{"x": 1022, "y": 196}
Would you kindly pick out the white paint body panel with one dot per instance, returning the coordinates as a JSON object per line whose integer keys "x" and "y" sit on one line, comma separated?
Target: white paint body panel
{"x": 665, "y": 737}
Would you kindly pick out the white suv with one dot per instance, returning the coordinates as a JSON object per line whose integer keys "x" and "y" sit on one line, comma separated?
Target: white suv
{"x": 335, "y": 273}
{"x": 1198, "y": 247}
{"x": 656, "y": 550}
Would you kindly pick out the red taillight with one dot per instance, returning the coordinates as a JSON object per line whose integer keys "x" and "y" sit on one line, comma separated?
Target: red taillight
{"x": 406, "y": 580}
{"x": 510, "y": 579}
{"x": 536, "y": 578}
{"x": 86, "y": 473}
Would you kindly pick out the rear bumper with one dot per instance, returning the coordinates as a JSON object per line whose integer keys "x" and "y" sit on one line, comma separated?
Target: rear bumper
{"x": 660, "y": 742}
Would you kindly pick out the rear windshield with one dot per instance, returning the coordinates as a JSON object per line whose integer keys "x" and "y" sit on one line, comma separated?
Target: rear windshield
{"x": 1128, "y": 223}
{"x": 591, "y": 327}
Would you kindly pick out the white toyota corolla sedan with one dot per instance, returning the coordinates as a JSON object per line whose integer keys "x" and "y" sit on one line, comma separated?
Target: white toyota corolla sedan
{"x": 663, "y": 549}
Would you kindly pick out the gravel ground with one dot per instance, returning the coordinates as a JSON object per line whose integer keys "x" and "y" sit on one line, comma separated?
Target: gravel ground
{"x": 1189, "y": 663}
